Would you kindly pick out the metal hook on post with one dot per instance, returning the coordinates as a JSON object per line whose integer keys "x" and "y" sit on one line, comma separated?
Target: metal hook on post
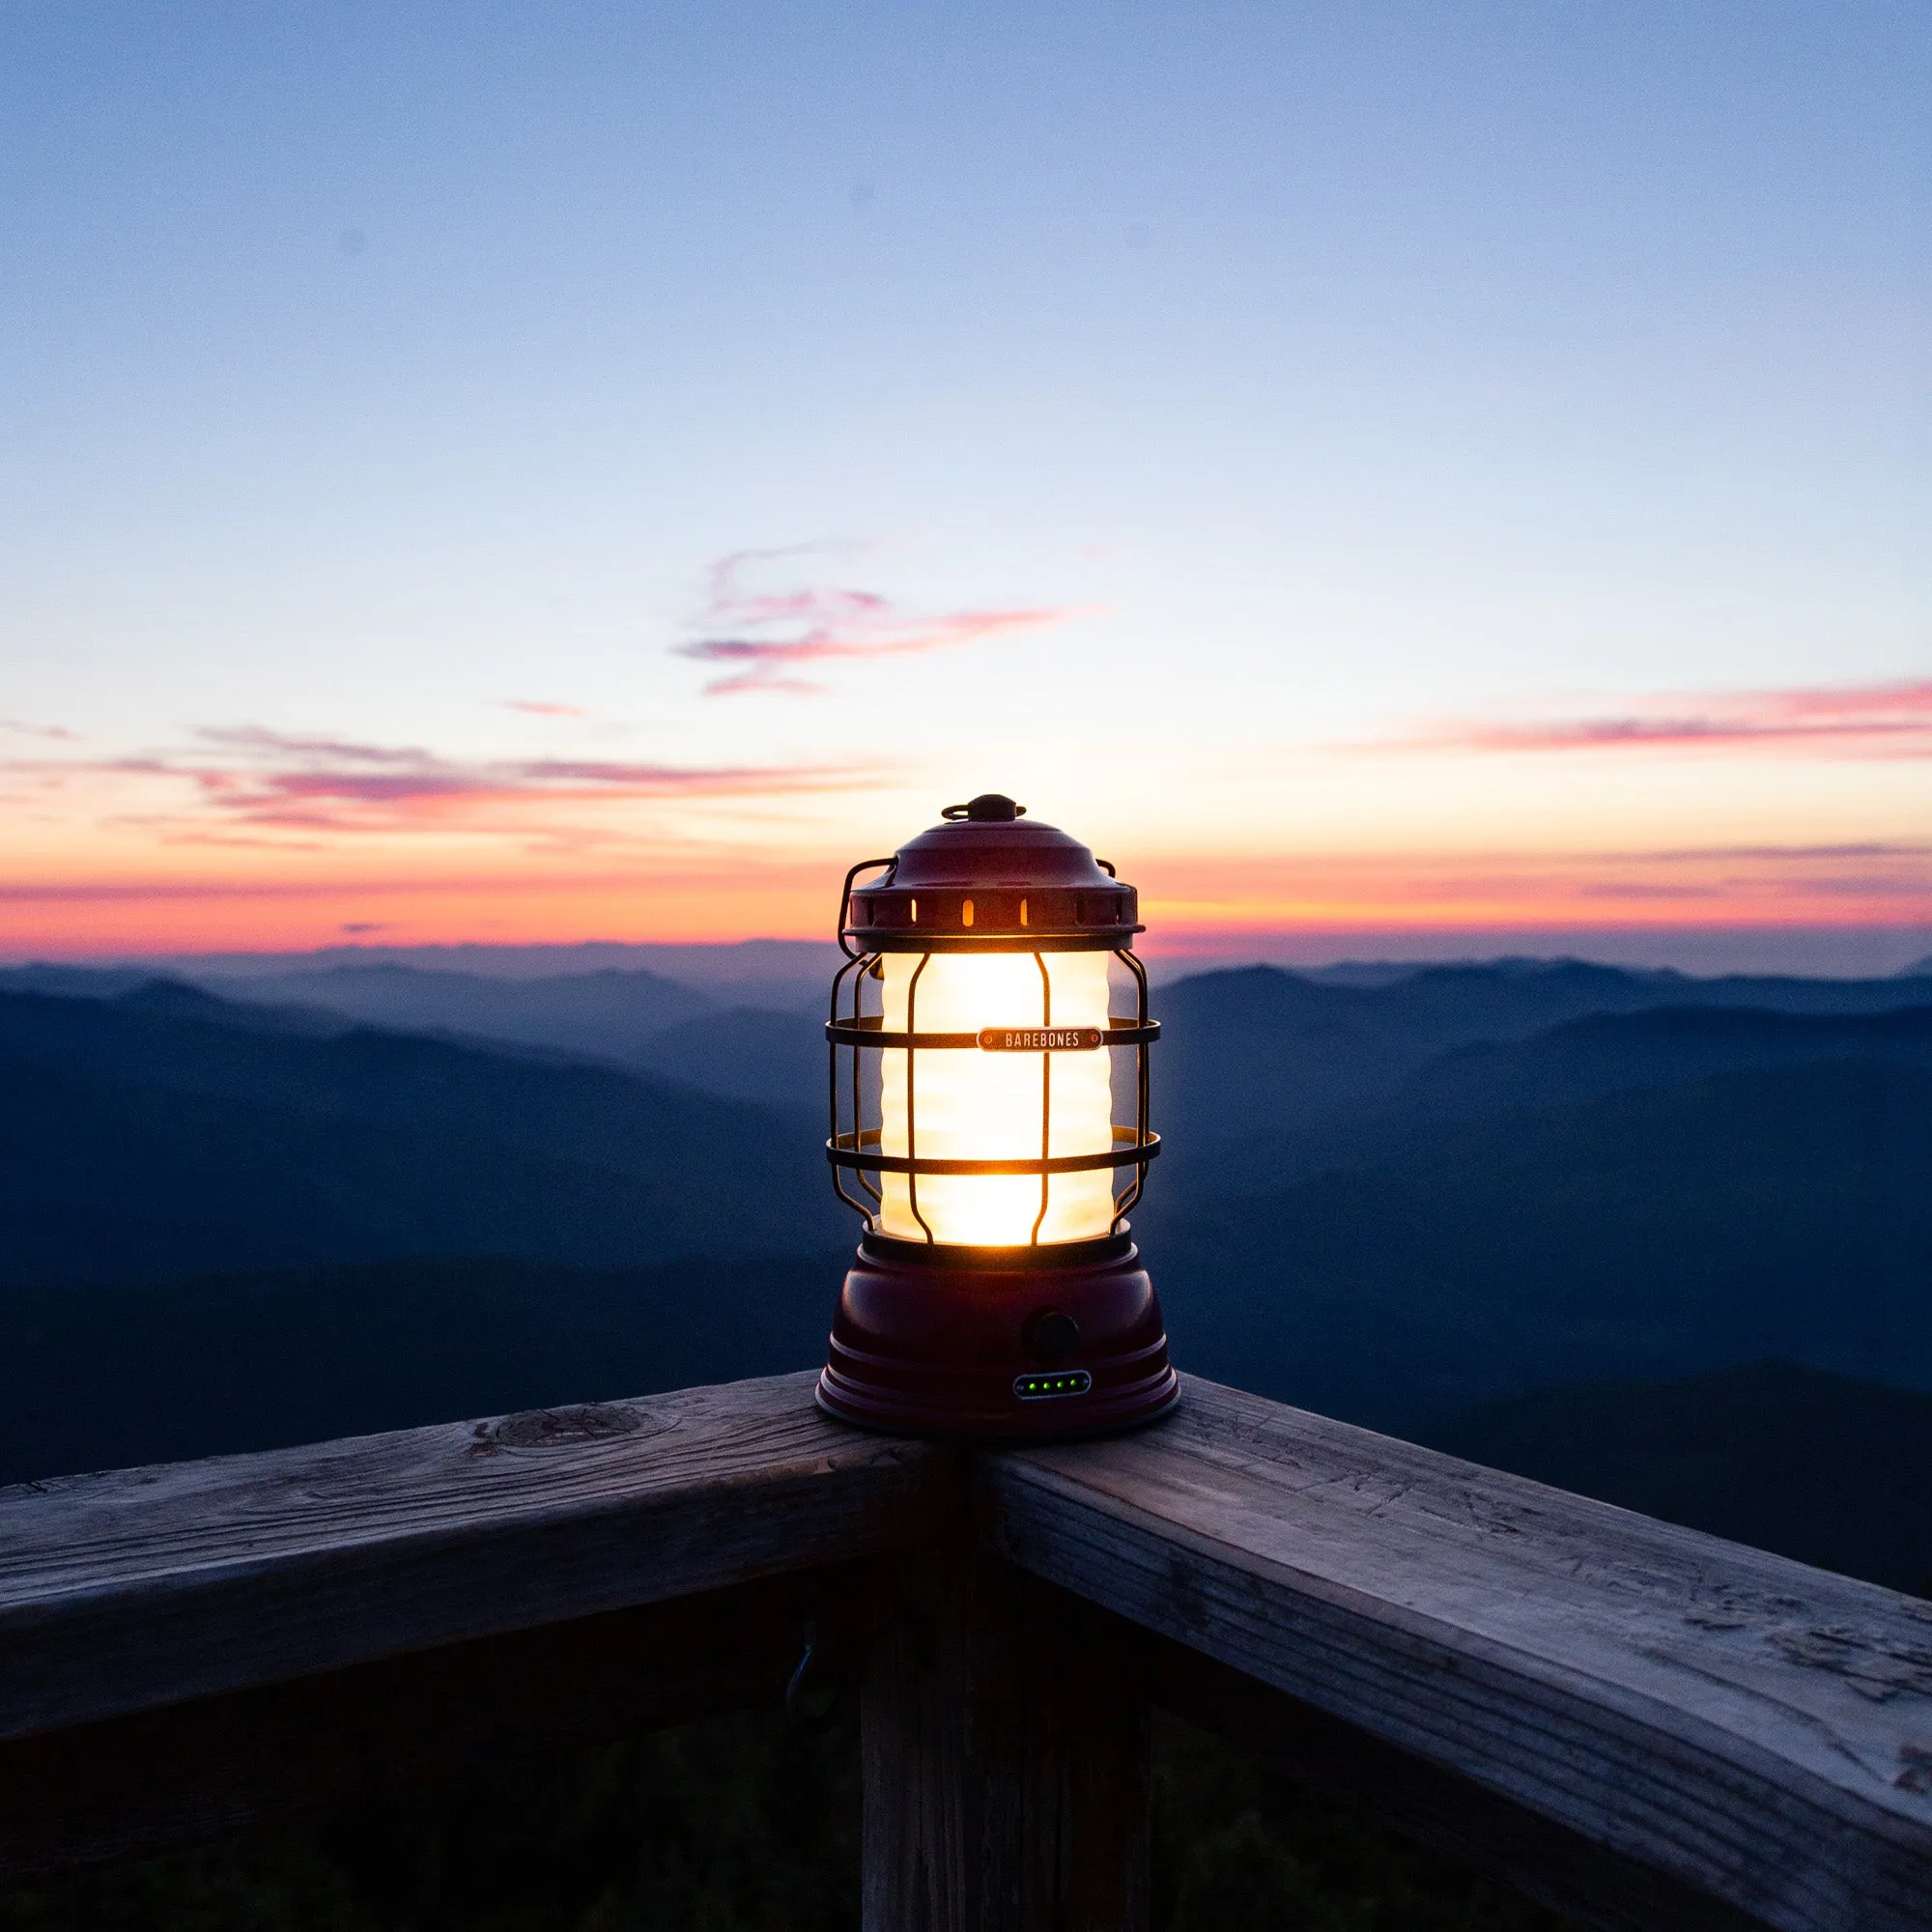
{"x": 812, "y": 1704}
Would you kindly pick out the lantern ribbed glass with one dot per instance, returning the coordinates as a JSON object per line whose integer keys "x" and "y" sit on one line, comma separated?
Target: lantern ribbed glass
{"x": 980, "y": 1105}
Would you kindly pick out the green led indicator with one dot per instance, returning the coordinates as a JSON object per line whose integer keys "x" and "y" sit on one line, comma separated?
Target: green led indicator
{"x": 1036, "y": 1388}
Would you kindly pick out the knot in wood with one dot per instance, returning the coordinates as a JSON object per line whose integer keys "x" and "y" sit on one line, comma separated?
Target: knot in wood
{"x": 564, "y": 1427}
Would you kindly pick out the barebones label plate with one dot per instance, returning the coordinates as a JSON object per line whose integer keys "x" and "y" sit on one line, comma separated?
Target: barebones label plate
{"x": 1039, "y": 1039}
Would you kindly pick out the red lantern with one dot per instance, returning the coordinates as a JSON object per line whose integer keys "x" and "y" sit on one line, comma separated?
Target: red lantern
{"x": 975, "y": 1068}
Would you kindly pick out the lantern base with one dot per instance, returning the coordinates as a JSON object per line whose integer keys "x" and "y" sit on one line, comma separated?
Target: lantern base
{"x": 1027, "y": 1343}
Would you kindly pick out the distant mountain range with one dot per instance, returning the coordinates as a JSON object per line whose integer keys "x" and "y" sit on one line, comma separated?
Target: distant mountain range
{"x": 761, "y": 1048}
{"x": 164, "y": 1131}
{"x": 1383, "y": 1200}
{"x": 1253, "y": 1060}
{"x": 1659, "y": 1230}
{"x": 603, "y": 1015}
{"x": 746, "y": 971}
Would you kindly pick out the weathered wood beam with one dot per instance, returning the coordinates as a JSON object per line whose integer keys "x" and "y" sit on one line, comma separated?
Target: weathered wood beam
{"x": 143, "y": 1587}
{"x": 1749, "y": 1730}
{"x": 1647, "y": 1725}
{"x": 186, "y": 1772}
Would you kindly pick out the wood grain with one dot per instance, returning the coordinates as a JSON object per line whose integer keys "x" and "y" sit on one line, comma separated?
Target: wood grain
{"x": 1755, "y": 1730}
{"x": 141, "y": 1587}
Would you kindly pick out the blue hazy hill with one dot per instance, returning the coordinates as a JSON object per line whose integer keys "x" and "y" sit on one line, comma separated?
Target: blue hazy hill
{"x": 162, "y": 1132}
{"x": 1815, "y": 1466}
{"x": 1255, "y": 1062}
{"x": 215, "y": 1364}
{"x": 607, "y": 1014}
{"x": 1386, "y": 1201}
{"x": 1665, "y": 1229}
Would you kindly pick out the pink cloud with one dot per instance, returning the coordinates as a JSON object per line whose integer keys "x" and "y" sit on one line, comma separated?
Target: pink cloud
{"x": 1805, "y": 854}
{"x": 348, "y": 799}
{"x": 1912, "y": 697}
{"x": 257, "y": 738}
{"x": 1885, "y": 720}
{"x": 536, "y": 708}
{"x": 21, "y": 729}
{"x": 274, "y": 779}
{"x": 762, "y": 635}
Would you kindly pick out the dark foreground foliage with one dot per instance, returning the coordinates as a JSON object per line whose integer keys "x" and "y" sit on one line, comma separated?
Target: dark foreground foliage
{"x": 1239, "y": 1847}
{"x": 744, "y": 1825}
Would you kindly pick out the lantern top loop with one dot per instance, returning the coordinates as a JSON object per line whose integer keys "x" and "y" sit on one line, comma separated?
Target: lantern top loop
{"x": 990, "y": 807}
{"x": 987, "y": 879}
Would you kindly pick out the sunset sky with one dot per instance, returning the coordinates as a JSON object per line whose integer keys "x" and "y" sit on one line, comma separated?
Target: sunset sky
{"x": 1377, "y": 471}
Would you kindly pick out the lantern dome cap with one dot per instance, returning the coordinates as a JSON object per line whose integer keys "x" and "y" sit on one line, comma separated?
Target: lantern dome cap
{"x": 989, "y": 878}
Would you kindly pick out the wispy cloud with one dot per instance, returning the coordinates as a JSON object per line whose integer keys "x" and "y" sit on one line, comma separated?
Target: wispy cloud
{"x": 1872, "y": 720}
{"x": 248, "y": 775}
{"x": 538, "y": 708}
{"x": 279, "y": 744}
{"x": 766, "y": 637}
{"x": 374, "y": 787}
{"x": 19, "y": 727}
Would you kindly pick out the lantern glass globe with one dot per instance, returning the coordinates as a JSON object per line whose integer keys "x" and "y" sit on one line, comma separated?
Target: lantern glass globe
{"x": 988, "y": 1106}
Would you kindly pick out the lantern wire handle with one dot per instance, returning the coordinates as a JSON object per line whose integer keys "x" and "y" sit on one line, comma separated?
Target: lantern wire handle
{"x": 845, "y": 899}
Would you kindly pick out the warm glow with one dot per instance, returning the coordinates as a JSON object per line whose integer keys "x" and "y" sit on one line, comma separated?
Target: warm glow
{"x": 986, "y": 1106}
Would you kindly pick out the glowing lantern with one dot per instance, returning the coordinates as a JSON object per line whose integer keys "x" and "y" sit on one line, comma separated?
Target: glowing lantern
{"x": 977, "y": 1069}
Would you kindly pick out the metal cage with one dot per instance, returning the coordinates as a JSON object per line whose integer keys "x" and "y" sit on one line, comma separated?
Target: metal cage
{"x": 853, "y": 1146}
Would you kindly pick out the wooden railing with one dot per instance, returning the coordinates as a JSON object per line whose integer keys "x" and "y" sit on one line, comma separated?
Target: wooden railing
{"x": 1639, "y": 1724}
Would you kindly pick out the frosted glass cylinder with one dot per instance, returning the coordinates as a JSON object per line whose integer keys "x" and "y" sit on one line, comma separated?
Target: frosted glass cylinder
{"x": 970, "y": 1104}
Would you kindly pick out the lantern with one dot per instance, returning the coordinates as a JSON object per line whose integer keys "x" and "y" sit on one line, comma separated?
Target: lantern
{"x": 989, "y": 1120}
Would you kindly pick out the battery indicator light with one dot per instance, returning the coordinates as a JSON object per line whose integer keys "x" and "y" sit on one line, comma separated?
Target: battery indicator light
{"x": 1041, "y": 1388}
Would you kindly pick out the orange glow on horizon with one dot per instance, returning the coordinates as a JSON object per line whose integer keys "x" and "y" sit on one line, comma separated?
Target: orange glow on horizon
{"x": 1186, "y": 902}
{"x": 1796, "y": 807}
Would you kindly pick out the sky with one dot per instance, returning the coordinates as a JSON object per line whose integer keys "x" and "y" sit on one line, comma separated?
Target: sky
{"x": 1393, "y": 477}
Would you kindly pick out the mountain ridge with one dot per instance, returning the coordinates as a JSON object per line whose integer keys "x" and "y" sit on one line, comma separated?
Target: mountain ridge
{"x": 122, "y": 1122}
{"x": 1783, "y": 1211}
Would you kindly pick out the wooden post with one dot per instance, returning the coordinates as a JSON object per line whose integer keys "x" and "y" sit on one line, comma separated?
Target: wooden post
{"x": 1004, "y": 1738}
